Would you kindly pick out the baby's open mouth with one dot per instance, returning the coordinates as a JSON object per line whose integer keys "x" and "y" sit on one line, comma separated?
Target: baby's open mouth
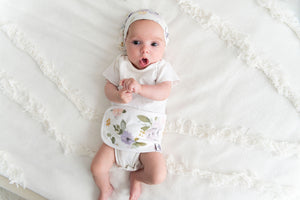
{"x": 144, "y": 62}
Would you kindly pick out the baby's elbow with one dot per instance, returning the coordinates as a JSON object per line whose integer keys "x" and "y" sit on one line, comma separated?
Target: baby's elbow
{"x": 165, "y": 93}
{"x": 164, "y": 96}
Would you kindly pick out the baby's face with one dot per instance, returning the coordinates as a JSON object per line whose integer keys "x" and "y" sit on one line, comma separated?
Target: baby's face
{"x": 145, "y": 43}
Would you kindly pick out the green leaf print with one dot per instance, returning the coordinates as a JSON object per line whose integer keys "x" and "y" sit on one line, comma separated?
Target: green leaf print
{"x": 139, "y": 144}
{"x": 120, "y": 132}
{"x": 113, "y": 140}
{"x": 117, "y": 128}
{"x": 145, "y": 128}
{"x": 123, "y": 125}
{"x": 143, "y": 118}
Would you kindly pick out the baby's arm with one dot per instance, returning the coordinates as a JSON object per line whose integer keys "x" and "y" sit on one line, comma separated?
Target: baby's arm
{"x": 158, "y": 92}
{"x": 115, "y": 95}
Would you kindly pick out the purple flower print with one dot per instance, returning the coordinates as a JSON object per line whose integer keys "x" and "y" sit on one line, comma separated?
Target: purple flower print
{"x": 127, "y": 138}
{"x": 154, "y": 131}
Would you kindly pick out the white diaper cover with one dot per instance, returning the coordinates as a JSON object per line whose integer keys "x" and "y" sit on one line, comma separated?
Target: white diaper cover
{"x": 128, "y": 160}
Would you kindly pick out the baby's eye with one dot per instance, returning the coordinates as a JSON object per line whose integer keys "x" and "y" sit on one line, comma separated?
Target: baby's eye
{"x": 154, "y": 44}
{"x": 136, "y": 42}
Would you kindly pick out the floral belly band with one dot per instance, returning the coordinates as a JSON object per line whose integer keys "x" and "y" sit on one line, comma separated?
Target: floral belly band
{"x": 131, "y": 129}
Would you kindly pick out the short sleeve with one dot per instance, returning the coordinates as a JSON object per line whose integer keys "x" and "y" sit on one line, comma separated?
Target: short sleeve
{"x": 112, "y": 72}
{"x": 166, "y": 73}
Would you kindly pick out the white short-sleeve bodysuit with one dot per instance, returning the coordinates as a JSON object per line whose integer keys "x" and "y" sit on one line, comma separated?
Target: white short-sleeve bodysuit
{"x": 138, "y": 125}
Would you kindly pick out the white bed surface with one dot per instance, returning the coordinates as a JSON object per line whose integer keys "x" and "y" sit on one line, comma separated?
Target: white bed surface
{"x": 233, "y": 121}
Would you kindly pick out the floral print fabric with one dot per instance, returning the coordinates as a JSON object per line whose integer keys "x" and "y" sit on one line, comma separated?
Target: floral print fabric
{"x": 131, "y": 129}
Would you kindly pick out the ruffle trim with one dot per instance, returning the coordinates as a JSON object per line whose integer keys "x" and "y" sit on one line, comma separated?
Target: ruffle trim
{"x": 281, "y": 14}
{"x": 244, "y": 179}
{"x": 245, "y": 49}
{"x": 8, "y": 169}
{"x": 19, "y": 39}
{"x": 37, "y": 111}
{"x": 240, "y": 136}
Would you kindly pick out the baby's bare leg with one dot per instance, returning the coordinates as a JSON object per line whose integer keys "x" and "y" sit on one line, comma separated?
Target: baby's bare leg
{"x": 154, "y": 172}
{"x": 100, "y": 167}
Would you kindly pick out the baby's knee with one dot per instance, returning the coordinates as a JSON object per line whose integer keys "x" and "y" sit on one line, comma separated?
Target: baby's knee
{"x": 158, "y": 177}
{"x": 96, "y": 169}
{"x": 103, "y": 160}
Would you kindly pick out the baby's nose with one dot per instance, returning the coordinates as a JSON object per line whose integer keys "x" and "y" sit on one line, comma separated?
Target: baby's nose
{"x": 145, "y": 49}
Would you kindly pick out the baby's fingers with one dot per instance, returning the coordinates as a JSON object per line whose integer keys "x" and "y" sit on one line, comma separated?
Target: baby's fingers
{"x": 121, "y": 83}
{"x": 125, "y": 96}
{"x": 124, "y": 83}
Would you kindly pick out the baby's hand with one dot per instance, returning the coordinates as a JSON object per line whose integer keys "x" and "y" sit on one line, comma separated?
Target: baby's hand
{"x": 131, "y": 85}
{"x": 125, "y": 96}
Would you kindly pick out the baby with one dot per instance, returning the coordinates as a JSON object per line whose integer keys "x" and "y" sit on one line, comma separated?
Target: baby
{"x": 138, "y": 85}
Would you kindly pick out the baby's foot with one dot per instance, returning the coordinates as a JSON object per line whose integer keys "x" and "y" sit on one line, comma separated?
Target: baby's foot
{"x": 135, "y": 188}
{"x": 106, "y": 193}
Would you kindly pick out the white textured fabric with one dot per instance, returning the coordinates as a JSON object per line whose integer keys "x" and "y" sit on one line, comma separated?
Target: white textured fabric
{"x": 233, "y": 121}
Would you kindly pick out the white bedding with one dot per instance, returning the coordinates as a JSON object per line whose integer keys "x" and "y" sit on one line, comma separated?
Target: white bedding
{"x": 233, "y": 121}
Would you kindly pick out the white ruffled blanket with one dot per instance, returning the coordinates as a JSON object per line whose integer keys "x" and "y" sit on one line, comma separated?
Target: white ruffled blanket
{"x": 233, "y": 121}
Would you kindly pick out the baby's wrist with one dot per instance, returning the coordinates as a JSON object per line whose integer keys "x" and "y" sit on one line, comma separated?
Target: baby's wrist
{"x": 140, "y": 89}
